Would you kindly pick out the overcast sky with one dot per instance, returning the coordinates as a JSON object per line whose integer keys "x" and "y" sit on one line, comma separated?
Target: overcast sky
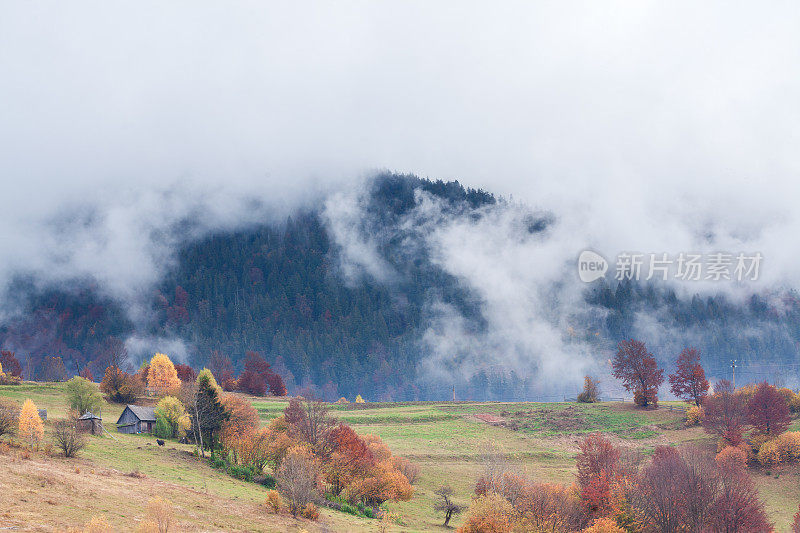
{"x": 644, "y": 123}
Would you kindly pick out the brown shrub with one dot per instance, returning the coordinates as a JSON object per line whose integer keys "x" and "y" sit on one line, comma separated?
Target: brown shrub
{"x": 98, "y": 524}
{"x": 782, "y": 449}
{"x": 160, "y": 511}
{"x": 737, "y": 507}
{"x": 9, "y": 416}
{"x": 66, "y": 436}
{"x": 694, "y": 416}
{"x": 147, "y": 526}
{"x": 274, "y": 502}
{"x": 731, "y": 457}
{"x": 590, "y": 390}
{"x": 489, "y": 513}
{"x": 310, "y": 512}
{"x": 298, "y": 479}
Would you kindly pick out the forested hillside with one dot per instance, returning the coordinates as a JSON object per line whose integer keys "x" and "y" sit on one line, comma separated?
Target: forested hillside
{"x": 280, "y": 289}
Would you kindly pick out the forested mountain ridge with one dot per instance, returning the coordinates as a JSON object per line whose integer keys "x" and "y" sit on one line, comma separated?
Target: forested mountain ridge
{"x": 283, "y": 289}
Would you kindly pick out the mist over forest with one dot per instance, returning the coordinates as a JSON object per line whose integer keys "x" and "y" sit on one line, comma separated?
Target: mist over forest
{"x": 323, "y": 190}
{"x": 398, "y": 288}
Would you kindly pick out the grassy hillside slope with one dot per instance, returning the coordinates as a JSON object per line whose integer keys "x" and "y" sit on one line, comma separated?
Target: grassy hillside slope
{"x": 448, "y": 441}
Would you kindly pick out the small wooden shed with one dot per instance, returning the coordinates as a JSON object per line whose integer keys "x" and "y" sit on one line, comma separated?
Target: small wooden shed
{"x": 90, "y": 422}
{"x": 137, "y": 419}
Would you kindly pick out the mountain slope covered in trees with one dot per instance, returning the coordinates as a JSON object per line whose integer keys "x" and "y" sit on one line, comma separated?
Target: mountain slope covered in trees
{"x": 282, "y": 290}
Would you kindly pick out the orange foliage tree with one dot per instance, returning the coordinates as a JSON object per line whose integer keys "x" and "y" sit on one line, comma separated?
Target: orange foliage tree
{"x": 490, "y": 512}
{"x": 539, "y": 506}
{"x": 31, "y": 428}
{"x": 240, "y": 436}
{"x": 359, "y": 468}
{"x": 383, "y": 481}
{"x": 120, "y": 387}
{"x": 598, "y": 474}
{"x": 162, "y": 378}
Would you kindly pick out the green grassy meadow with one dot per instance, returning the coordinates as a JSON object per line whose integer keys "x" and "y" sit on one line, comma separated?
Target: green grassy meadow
{"x": 448, "y": 440}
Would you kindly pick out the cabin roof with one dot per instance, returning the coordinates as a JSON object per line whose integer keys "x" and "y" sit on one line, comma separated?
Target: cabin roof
{"x": 88, "y": 415}
{"x": 145, "y": 414}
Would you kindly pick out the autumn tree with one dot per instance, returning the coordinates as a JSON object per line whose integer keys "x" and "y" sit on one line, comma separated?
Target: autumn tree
{"x": 66, "y": 436}
{"x": 83, "y": 395}
{"x": 351, "y": 459}
{"x": 185, "y": 373}
{"x": 161, "y": 376}
{"x": 675, "y": 490}
{"x": 252, "y": 383}
{"x": 276, "y": 385}
{"x": 598, "y": 471}
{"x": 298, "y": 480}
{"x": 258, "y": 377}
{"x": 768, "y": 411}
{"x": 384, "y": 480}
{"x": 310, "y": 421}
{"x": 242, "y": 416}
{"x": 121, "y": 387}
{"x": 737, "y": 508}
{"x": 86, "y": 373}
{"x": 724, "y": 413}
{"x": 445, "y": 503}
{"x": 590, "y": 390}
{"x": 240, "y": 434}
{"x": 603, "y": 525}
{"x": 689, "y": 380}
{"x": 639, "y": 372}
{"x": 9, "y": 417}
{"x": 31, "y": 428}
{"x": 488, "y": 513}
{"x": 10, "y": 363}
{"x": 171, "y": 418}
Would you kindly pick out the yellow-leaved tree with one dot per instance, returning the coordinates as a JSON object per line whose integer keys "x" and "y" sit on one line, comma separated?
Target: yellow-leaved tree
{"x": 359, "y": 399}
{"x": 162, "y": 378}
{"x": 31, "y": 428}
{"x": 171, "y": 418}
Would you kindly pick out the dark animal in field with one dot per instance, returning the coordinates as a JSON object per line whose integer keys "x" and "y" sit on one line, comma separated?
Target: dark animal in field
{"x": 160, "y": 442}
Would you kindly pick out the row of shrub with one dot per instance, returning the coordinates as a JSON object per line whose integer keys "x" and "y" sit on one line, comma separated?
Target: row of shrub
{"x": 618, "y": 492}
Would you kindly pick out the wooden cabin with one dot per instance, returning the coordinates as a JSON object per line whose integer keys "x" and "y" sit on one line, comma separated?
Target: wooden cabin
{"x": 137, "y": 419}
{"x": 91, "y": 423}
